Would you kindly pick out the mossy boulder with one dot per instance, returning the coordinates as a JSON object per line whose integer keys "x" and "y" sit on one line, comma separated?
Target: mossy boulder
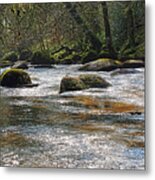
{"x": 94, "y": 81}
{"x": 133, "y": 64}
{"x": 10, "y": 56}
{"x": 15, "y": 78}
{"x": 25, "y": 55}
{"x": 84, "y": 81}
{"x": 103, "y": 64}
{"x": 71, "y": 84}
{"x": 41, "y": 58}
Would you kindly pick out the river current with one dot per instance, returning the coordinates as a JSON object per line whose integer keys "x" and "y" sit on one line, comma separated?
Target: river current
{"x": 93, "y": 128}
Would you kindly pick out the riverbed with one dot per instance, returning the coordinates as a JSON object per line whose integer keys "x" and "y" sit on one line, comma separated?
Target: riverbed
{"x": 93, "y": 128}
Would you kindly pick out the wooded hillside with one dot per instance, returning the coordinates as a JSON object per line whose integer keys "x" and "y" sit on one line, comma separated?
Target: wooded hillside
{"x": 78, "y": 31}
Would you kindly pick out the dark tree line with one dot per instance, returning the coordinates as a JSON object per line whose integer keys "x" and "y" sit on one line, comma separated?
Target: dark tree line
{"x": 114, "y": 27}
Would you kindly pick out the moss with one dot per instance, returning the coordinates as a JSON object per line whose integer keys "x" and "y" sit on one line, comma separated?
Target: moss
{"x": 10, "y": 56}
{"x": 59, "y": 54}
{"x": 133, "y": 64}
{"x": 118, "y": 63}
{"x": 82, "y": 82}
{"x": 66, "y": 56}
{"x": 93, "y": 81}
{"x": 14, "y": 78}
{"x": 102, "y": 64}
{"x": 71, "y": 84}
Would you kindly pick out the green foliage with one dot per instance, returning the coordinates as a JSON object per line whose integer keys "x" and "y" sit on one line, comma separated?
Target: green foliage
{"x": 47, "y": 27}
{"x": 10, "y": 56}
{"x": 25, "y": 55}
{"x": 5, "y": 63}
{"x": 41, "y": 58}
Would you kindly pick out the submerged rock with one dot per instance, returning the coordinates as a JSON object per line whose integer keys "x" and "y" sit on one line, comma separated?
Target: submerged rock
{"x": 124, "y": 71}
{"x": 43, "y": 66}
{"x": 15, "y": 78}
{"x": 84, "y": 81}
{"x": 133, "y": 64}
{"x": 103, "y": 64}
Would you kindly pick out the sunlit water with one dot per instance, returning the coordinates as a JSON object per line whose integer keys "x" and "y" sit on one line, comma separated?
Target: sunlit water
{"x": 41, "y": 128}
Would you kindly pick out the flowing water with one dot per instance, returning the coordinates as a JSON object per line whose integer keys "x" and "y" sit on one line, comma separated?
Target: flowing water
{"x": 93, "y": 128}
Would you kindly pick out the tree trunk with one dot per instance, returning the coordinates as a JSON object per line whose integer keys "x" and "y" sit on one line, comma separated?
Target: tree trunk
{"x": 108, "y": 37}
{"x": 95, "y": 42}
{"x": 130, "y": 24}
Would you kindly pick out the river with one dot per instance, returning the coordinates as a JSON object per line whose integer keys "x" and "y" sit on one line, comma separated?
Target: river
{"x": 93, "y": 128}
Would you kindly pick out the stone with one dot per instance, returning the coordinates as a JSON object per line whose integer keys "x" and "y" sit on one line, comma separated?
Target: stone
{"x": 15, "y": 78}
{"x": 83, "y": 81}
{"x": 133, "y": 64}
{"x": 103, "y": 64}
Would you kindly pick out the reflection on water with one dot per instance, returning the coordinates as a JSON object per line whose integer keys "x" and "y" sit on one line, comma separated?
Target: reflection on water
{"x": 94, "y": 128}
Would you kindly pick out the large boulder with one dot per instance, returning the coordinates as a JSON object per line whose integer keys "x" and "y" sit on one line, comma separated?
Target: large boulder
{"x": 40, "y": 58}
{"x": 103, "y": 64}
{"x": 84, "y": 81}
{"x": 15, "y": 78}
{"x": 133, "y": 64}
{"x": 71, "y": 84}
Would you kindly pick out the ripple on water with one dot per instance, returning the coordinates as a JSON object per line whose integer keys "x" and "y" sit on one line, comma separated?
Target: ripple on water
{"x": 82, "y": 129}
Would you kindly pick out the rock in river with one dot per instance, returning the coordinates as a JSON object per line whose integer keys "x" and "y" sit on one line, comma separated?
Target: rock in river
{"x": 124, "y": 71}
{"x": 84, "y": 81}
{"x": 15, "y": 78}
{"x": 133, "y": 64}
{"x": 103, "y": 64}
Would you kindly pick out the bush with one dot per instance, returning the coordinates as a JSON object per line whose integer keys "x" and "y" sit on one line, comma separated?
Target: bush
{"x": 25, "y": 55}
{"x": 41, "y": 58}
{"x": 10, "y": 56}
